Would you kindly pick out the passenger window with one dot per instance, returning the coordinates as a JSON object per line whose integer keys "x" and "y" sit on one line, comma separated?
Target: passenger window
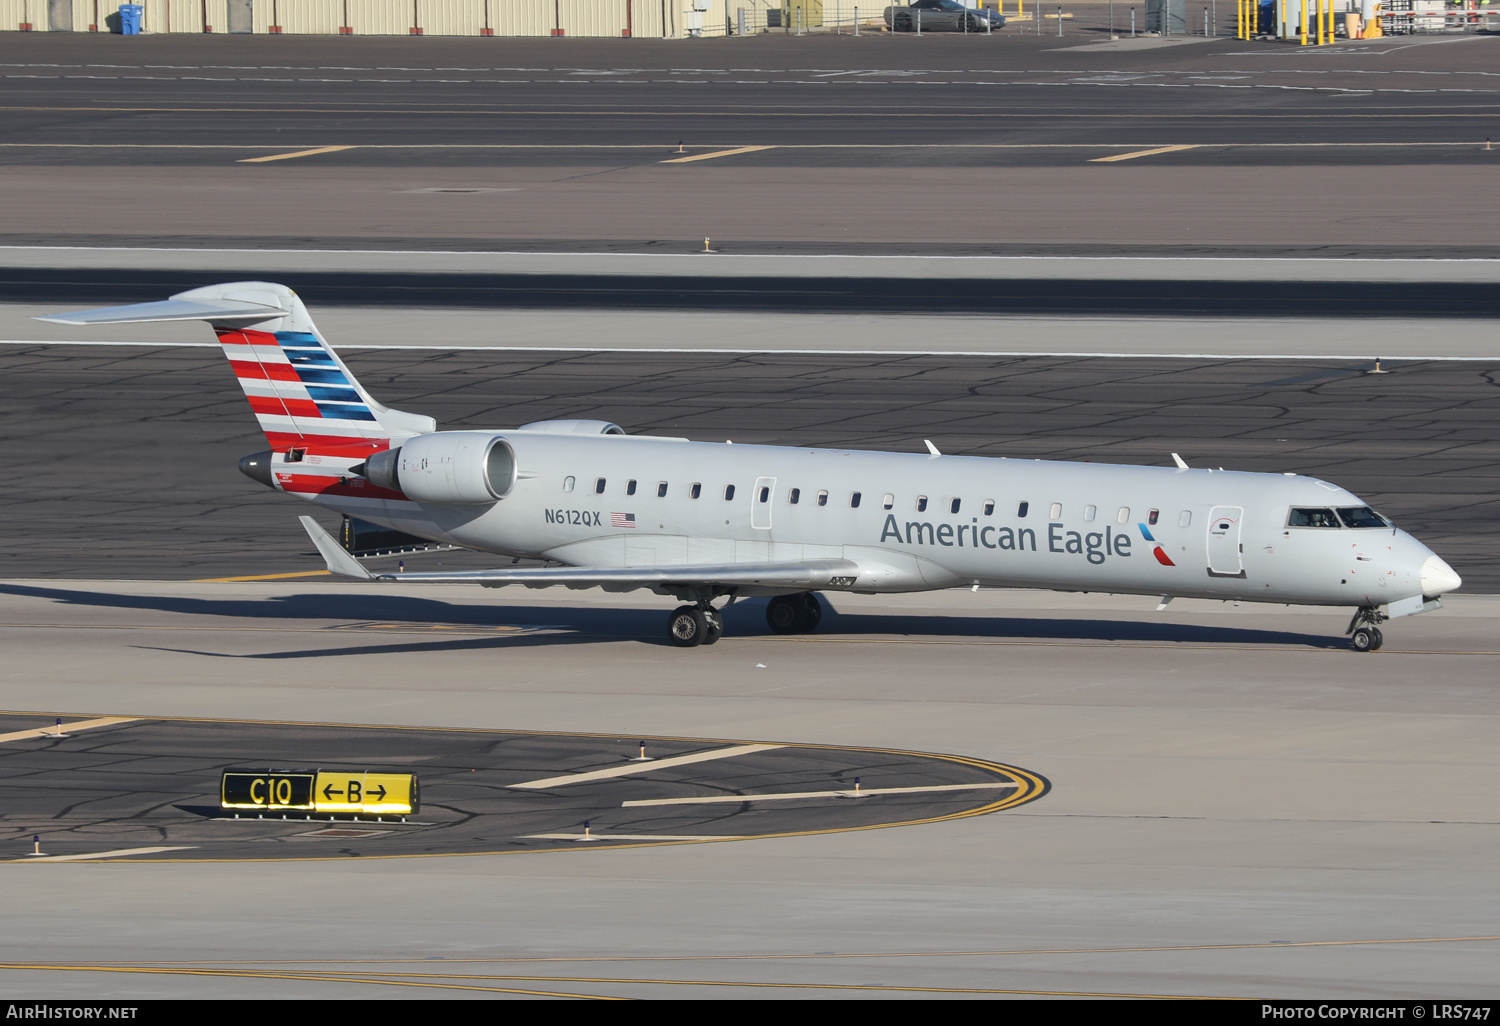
{"x": 822, "y": 498}
{"x": 630, "y": 487}
{"x": 1152, "y": 517}
{"x": 1022, "y": 509}
{"x": 888, "y": 501}
{"x": 954, "y": 507}
{"x": 1055, "y": 512}
{"x": 989, "y": 507}
{"x": 697, "y": 489}
{"x": 793, "y": 495}
{"x": 1123, "y": 517}
{"x": 599, "y": 487}
{"x": 921, "y": 504}
{"x": 1312, "y": 518}
{"x": 854, "y": 501}
{"x": 661, "y": 490}
{"x": 728, "y": 493}
{"x": 765, "y": 494}
{"x": 1186, "y": 520}
{"x": 1089, "y": 513}
{"x": 568, "y": 484}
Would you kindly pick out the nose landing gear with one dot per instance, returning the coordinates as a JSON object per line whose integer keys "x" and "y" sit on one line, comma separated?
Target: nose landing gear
{"x": 1364, "y": 634}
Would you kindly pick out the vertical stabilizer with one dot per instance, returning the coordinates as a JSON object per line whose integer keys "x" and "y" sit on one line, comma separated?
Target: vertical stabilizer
{"x": 300, "y": 390}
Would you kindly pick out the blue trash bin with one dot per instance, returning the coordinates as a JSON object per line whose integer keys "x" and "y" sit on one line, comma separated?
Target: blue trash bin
{"x": 131, "y": 16}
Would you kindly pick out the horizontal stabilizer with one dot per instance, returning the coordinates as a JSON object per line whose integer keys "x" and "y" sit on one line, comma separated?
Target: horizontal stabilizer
{"x": 171, "y": 310}
{"x": 339, "y": 561}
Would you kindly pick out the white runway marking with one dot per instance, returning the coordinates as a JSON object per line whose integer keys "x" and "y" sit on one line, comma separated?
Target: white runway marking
{"x": 118, "y": 853}
{"x": 645, "y": 767}
{"x": 67, "y": 728}
{"x": 1102, "y": 354}
{"x": 629, "y": 837}
{"x": 867, "y": 792}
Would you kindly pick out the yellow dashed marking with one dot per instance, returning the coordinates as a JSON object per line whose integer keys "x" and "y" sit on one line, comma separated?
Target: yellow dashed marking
{"x": 290, "y": 156}
{"x": 1140, "y": 153}
{"x": 716, "y": 153}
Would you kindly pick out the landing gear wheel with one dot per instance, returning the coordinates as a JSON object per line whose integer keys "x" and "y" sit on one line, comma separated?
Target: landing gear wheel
{"x": 811, "y": 614}
{"x": 794, "y": 614}
{"x": 1364, "y": 634}
{"x": 783, "y": 613}
{"x": 687, "y": 626}
{"x": 715, "y": 622}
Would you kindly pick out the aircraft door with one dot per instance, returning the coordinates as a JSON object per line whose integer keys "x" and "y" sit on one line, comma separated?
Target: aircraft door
{"x": 760, "y": 503}
{"x": 1225, "y": 553}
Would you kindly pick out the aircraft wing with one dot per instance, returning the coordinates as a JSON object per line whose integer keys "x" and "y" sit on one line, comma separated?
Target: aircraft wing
{"x": 806, "y": 574}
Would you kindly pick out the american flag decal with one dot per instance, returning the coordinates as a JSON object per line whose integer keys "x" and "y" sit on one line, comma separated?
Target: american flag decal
{"x": 622, "y": 520}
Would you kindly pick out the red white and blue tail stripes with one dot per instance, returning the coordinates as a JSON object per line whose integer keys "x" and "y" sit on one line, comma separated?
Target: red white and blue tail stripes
{"x": 300, "y": 392}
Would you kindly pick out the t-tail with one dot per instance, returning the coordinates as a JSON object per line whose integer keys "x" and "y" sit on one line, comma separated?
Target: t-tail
{"x": 304, "y": 397}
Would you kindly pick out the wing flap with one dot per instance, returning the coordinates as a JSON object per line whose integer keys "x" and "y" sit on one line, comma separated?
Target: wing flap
{"x": 807, "y": 573}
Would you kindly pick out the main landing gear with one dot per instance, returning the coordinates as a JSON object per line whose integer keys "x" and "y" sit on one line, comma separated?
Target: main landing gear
{"x": 702, "y": 624}
{"x": 695, "y": 625}
{"x": 794, "y": 614}
{"x": 1364, "y": 634}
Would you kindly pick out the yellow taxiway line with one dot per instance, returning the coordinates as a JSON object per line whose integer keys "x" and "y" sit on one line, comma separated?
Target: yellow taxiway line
{"x": 1140, "y": 153}
{"x": 716, "y": 153}
{"x": 290, "y": 156}
{"x": 263, "y": 577}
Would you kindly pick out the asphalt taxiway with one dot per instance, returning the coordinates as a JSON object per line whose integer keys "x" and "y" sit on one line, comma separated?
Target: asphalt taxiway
{"x": 1238, "y": 806}
{"x": 149, "y": 789}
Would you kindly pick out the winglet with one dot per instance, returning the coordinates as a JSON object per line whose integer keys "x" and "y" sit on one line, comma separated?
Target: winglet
{"x": 1178, "y": 460}
{"x": 339, "y": 561}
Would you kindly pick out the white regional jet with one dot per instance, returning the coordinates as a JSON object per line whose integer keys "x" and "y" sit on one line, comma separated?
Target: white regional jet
{"x": 701, "y": 521}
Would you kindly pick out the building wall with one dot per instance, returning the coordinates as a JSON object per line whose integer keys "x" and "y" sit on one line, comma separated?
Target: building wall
{"x": 645, "y": 18}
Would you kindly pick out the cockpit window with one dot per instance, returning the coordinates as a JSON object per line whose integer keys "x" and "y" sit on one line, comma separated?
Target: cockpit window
{"x": 1312, "y": 518}
{"x": 1361, "y": 516}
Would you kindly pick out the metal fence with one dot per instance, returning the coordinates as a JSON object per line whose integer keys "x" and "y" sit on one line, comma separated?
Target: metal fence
{"x": 599, "y": 18}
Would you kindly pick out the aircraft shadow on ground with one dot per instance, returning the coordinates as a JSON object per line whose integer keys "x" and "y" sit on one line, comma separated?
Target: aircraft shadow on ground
{"x": 591, "y": 624}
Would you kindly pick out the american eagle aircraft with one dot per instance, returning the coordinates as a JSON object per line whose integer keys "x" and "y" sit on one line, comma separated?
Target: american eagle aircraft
{"x": 704, "y": 521}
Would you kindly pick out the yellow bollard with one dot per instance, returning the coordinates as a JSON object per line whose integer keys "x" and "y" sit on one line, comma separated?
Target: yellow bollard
{"x": 1304, "y": 23}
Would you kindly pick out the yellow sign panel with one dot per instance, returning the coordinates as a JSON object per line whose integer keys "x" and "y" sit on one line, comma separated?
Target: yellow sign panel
{"x": 367, "y": 794}
{"x": 353, "y": 792}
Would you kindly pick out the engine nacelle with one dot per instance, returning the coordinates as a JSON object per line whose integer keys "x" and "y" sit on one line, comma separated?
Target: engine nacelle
{"x": 459, "y": 467}
{"x": 573, "y": 427}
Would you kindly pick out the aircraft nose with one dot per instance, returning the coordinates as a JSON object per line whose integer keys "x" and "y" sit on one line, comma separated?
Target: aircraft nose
{"x": 1438, "y": 578}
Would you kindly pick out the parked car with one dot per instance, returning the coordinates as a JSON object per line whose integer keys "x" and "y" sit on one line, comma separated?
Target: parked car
{"x": 942, "y": 16}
